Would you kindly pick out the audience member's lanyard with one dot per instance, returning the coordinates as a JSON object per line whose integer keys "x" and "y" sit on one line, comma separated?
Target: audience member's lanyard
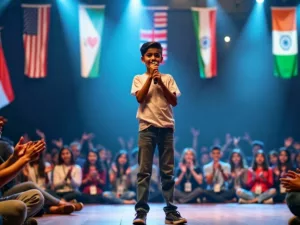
{"x": 216, "y": 176}
{"x": 64, "y": 170}
{"x": 217, "y": 185}
{"x": 121, "y": 185}
{"x": 188, "y": 184}
{"x": 188, "y": 175}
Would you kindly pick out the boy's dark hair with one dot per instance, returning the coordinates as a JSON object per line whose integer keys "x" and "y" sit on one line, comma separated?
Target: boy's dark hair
{"x": 144, "y": 48}
{"x": 215, "y": 147}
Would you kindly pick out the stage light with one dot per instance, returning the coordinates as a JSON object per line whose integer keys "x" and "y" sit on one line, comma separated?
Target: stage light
{"x": 227, "y": 39}
{"x": 260, "y": 1}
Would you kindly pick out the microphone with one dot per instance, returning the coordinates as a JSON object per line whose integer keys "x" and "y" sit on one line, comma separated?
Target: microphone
{"x": 155, "y": 80}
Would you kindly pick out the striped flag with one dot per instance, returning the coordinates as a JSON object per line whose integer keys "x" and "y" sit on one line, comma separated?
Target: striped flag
{"x": 285, "y": 42}
{"x": 35, "y": 37}
{"x": 205, "y": 30}
{"x": 155, "y": 27}
{"x": 6, "y": 91}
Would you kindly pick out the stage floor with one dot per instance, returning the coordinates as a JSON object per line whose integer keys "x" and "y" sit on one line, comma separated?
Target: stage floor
{"x": 202, "y": 214}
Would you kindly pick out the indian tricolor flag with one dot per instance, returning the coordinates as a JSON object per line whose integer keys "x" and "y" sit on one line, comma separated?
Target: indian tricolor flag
{"x": 205, "y": 30}
{"x": 91, "y": 22}
{"x": 6, "y": 91}
{"x": 285, "y": 43}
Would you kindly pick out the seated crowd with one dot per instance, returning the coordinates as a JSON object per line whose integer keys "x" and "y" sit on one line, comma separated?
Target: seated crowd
{"x": 34, "y": 181}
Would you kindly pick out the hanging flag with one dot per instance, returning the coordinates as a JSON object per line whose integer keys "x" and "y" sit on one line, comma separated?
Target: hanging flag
{"x": 205, "y": 30}
{"x": 35, "y": 37}
{"x": 154, "y": 27}
{"x": 91, "y": 23}
{"x": 285, "y": 42}
{"x": 6, "y": 91}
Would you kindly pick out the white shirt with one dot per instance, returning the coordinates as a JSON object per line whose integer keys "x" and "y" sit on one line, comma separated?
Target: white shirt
{"x": 59, "y": 174}
{"x": 35, "y": 178}
{"x": 155, "y": 110}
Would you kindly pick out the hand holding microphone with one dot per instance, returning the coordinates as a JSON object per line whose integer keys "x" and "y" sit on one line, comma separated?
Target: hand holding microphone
{"x": 155, "y": 73}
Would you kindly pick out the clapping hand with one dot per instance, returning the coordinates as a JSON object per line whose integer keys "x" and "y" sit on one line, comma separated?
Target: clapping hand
{"x": 21, "y": 147}
{"x": 182, "y": 167}
{"x": 291, "y": 181}
{"x": 32, "y": 150}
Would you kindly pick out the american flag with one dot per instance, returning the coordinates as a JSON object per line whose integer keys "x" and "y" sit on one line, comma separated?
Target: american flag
{"x": 35, "y": 37}
{"x": 155, "y": 27}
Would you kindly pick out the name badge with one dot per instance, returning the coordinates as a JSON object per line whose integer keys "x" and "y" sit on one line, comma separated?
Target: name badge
{"x": 217, "y": 188}
{"x": 93, "y": 190}
{"x": 282, "y": 189}
{"x": 188, "y": 187}
{"x": 258, "y": 190}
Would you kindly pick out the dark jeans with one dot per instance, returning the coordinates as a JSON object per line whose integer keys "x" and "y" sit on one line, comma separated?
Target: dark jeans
{"x": 221, "y": 197}
{"x": 148, "y": 139}
{"x": 293, "y": 202}
{"x": 191, "y": 197}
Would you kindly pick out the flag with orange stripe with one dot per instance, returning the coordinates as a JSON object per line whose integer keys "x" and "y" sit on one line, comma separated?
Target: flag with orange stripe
{"x": 205, "y": 31}
{"x": 285, "y": 42}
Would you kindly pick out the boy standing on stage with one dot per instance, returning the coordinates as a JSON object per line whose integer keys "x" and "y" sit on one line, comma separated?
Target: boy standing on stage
{"x": 156, "y": 93}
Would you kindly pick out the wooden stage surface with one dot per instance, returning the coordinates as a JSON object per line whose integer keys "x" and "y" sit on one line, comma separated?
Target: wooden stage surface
{"x": 202, "y": 214}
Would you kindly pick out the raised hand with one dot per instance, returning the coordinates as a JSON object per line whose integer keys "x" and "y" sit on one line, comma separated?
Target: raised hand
{"x": 40, "y": 134}
{"x": 296, "y": 145}
{"x": 247, "y": 137}
{"x": 236, "y": 140}
{"x": 87, "y": 136}
{"x": 122, "y": 142}
{"x": 58, "y": 143}
{"x": 288, "y": 141}
{"x": 195, "y": 132}
{"x": 130, "y": 143}
{"x": 228, "y": 139}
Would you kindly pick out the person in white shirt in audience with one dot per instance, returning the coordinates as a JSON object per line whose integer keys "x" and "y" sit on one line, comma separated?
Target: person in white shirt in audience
{"x": 67, "y": 176}
{"x": 39, "y": 172}
{"x": 217, "y": 174}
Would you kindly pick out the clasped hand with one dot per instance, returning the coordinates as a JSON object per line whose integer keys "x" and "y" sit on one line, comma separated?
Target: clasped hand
{"x": 291, "y": 181}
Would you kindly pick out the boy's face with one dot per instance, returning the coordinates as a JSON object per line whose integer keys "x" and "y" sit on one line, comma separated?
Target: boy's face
{"x": 152, "y": 55}
{"x": 216, "y": 155}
